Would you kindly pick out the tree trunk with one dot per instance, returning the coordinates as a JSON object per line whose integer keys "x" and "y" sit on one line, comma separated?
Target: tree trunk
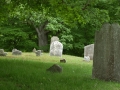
{"x": 42, "y": 35}
{"x": 42, "y": 38}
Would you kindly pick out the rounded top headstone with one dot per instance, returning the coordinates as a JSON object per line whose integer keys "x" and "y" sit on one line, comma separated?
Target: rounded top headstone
{"x": 54, "y": 38}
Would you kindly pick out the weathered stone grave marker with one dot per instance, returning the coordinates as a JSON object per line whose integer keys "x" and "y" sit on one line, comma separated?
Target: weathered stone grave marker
{"x": 89, "y": 51}
{"x": 106, "y": 60}
{"x": 38, "y": 52}
{"x": 16, "y": 52}
{"x": 34, "y": 50}
{"x": 2, "y": 53}
{"x": 56, "y": 48}
{"x": 55, "y": 68}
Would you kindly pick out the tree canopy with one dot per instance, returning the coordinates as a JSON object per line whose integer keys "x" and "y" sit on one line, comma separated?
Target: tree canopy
{"x": 36, "y": 21}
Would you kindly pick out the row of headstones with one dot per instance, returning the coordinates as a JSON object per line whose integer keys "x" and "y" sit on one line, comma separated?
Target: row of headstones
{"x": 14, "y": 52}
{"x": 56, "y": 49}
{"x": 18, "y": 52}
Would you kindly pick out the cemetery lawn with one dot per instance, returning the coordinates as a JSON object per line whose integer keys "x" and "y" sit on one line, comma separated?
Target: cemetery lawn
{"x": 28, "y": 72}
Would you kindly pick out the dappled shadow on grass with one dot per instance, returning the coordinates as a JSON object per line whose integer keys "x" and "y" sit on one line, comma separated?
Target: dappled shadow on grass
{"x": 32, "y": 75}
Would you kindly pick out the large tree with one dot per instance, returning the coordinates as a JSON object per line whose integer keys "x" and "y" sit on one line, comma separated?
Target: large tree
{"x": 42, "y": 21}
{"x": 74, "y": 21}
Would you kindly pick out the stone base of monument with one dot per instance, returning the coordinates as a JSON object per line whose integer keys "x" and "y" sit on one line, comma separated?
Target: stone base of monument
{"x": 55, "y": 69}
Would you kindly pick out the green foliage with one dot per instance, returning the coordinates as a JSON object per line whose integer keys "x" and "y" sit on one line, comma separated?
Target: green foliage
{"x": 60, "y": 29}
{"x": 112, "y": 6}
{"x": 56, "y": 25}
{"x": 26, "y": 14}
{"x": 15, "y": 38}
{"x": 73, "y": 21}
{"x": 84, "y": 33}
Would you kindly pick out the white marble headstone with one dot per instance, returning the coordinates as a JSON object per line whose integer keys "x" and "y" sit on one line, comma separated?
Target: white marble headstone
{"x": 89, "y": 51}
{"x": 56, "y": 48}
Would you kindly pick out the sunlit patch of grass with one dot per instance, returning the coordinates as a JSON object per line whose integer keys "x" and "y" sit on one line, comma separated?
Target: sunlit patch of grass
{"x": 28, "y": 72}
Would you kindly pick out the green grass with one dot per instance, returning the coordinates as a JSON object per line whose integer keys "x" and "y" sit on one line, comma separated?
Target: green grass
{"x": 28, "y": 72}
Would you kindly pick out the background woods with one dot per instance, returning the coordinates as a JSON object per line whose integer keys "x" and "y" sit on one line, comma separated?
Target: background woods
{"x": 31, "y": 23}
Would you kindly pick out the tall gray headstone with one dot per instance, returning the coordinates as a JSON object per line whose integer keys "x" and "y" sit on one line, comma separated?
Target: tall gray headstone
{"x": 106, "y": 60}
{"x": 89, "y": 51}
{"x": 56, "y": 48}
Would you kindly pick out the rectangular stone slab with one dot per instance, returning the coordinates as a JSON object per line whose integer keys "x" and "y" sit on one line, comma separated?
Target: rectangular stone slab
{"x": 106, "y": 60}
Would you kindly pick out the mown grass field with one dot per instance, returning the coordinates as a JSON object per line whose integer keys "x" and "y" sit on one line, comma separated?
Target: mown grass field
{"x": 28, "y": 72}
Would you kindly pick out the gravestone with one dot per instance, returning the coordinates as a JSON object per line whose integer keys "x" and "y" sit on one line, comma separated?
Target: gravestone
{"x": 34, "y": 50}
{"x": 106, "y": 60}
{"x": 54, "y": 38}
{"x": 56, "y": 48}
{"x": 89, "y": 51}
{"x": 2, "y": 53}
{"x": 55, "y": 68}
{"x": 16, "y": 52}
{"x": 38, "y": 52}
